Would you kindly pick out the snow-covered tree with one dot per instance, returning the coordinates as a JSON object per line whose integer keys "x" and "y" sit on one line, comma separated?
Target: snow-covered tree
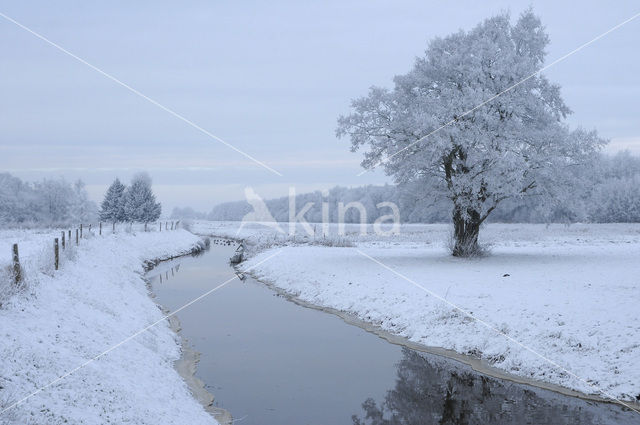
{"x": 54, "y": 198}
{"x": 112, "y": 207}
{"x": 515, "y": 145}
{"x": 17, "y": 200}
{"x": 82, "y": 209}
{"x": 140, "y": 202}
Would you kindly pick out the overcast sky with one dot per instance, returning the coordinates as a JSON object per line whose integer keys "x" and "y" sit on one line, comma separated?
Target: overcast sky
{"x": 267, "y": 77}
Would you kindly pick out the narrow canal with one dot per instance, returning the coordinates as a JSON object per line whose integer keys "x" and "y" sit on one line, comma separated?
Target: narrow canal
{"x": 272, "y": 362}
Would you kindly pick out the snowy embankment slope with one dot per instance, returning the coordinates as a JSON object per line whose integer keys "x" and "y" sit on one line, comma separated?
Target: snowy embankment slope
{"x": 64, "y": 318}
{"x": 570, "y": 294}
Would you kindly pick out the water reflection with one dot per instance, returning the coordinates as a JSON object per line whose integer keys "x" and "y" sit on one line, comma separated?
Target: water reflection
{"x": 163, "y": 277}
{"x": 433, "y": 391}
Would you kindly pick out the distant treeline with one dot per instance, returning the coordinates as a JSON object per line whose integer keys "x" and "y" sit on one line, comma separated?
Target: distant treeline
{"x": 46, "y": 202}
{"x": 605, "y": 192}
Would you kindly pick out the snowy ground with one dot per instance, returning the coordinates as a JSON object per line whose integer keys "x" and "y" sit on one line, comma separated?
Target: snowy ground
{"x": 569, "y": 294}
{"x": 63, "y": 318}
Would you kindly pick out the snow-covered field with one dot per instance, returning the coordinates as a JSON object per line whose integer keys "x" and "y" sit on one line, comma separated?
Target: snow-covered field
{"x": 569, "y": 294}
{"x": 64, "y": 318}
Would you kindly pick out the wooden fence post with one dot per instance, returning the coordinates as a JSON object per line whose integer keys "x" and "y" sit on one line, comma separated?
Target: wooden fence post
{"x": 63, "y": 244}
{"x": 114, "y": 227}
{"x": 100, "y": 228}
{"x": 77, "y": 240}
{"x": 80, "y": 229}
{"x": 17, "y": 271}
{"x": 160, "y": 226}
{"x": 145, "y": 226}
{"x": 69, "y": 238}
{"x": 56, "y": 252}
{"x": 89, "y": 228}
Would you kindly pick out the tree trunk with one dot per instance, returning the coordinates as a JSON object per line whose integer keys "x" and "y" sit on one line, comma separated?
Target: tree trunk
{"x": 466, "y": 230}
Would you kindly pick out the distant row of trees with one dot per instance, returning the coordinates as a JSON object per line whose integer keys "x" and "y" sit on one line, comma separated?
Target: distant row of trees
{"x": 187, "y": 213}
{"x": 128, "y": 204}
{"x": 46, "y": 202}
{"x": 606, "y": 191}
{"x": 57, "y": 202}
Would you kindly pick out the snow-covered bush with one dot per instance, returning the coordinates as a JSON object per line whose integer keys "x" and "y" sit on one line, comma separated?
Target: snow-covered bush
{"x": 617, "y": 201}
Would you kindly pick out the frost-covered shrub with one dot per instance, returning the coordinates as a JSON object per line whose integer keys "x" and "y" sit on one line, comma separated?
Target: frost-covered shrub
{"x": 333, "y": 241}
{"x": 617, "y": 201}
{"x": 7, "y": 286}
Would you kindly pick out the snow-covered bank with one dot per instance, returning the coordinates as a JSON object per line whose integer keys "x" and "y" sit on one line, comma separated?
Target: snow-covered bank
{"x": 571, "y": 294}
{"x": 67, "y": 317}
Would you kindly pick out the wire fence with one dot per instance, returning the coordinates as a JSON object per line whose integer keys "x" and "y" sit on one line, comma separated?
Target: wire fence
{"x": 70, "y": 239}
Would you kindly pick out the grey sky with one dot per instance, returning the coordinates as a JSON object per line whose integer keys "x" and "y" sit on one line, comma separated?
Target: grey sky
{"x": 268, "y": 77}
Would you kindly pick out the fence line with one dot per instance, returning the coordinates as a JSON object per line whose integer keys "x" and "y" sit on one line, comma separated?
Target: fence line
{"x": 64, "y": 243}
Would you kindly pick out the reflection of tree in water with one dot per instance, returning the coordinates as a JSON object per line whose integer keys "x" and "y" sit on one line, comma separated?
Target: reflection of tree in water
{"x": 435, "y": 392}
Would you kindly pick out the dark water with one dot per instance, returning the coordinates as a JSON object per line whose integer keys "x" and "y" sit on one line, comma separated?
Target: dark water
{"x": 271, "y": 362}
